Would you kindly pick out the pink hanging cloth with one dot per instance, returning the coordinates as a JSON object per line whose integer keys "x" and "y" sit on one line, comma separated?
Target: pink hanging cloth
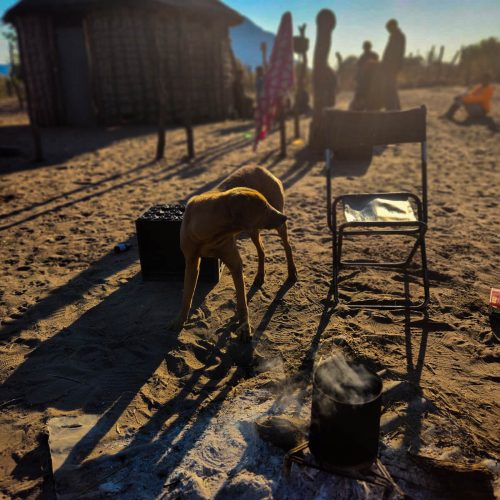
{"x": 278, "y": 79}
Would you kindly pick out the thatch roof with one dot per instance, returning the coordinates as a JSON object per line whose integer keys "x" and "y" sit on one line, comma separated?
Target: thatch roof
{"x": 213, "y": 8}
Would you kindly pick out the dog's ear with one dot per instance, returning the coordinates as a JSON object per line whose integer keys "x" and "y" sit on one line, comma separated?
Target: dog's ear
{"x": 246, "y": 209}
{"x": 242, "y": 211}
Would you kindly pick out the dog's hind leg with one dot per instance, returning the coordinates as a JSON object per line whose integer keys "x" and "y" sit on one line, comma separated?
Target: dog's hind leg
{"x": 292, "y": 270}
{"x": 190, "y": 278}
{"x": 259, "y": 278}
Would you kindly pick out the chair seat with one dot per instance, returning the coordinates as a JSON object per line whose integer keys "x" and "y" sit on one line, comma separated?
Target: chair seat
{"x": 378, "y": 208}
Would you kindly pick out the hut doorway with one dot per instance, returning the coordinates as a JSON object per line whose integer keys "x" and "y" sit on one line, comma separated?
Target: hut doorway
{"x": 74, "y": 72}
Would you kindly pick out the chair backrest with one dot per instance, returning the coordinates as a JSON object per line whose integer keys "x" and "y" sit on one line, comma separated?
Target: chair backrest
{"x": 351, "y": 129}
{"x": 354, "y": 129}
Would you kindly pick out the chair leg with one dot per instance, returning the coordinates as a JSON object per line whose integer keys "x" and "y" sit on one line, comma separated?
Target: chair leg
{"x": 413, "y": 250}
{"x": 425, "y": 274}
{"x": 337, "y": 241}
{"x": 337, "y": 265}
{"x": 335, "y": 269}
{"x": 425, "y": 279}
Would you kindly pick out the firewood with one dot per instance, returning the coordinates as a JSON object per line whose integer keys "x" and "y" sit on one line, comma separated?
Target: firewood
{"x": 282, "y": 431}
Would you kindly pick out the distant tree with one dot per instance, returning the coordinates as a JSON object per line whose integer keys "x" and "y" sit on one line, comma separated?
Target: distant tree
{"x": 456, "y": 57}
{"x": 413, "y": 71}
{"x": 480, "y": 58}
{"x": 431, "y": 55}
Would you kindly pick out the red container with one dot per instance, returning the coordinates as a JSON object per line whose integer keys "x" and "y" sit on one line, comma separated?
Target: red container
{"x": 495, "y": 300}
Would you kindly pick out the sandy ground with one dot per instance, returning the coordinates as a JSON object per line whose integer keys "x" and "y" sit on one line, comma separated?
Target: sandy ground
{"x": 83, "y": 337}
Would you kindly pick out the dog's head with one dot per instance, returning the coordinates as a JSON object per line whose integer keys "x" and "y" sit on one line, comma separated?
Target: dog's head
{"x": 250, "y": 210}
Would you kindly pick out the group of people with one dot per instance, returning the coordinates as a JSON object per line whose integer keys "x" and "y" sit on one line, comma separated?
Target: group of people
{"x": 377, "y": 88}
{"x": 376, "y": 81}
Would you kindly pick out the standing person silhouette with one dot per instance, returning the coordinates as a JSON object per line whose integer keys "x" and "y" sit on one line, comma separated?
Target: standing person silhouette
{"x": 392, "y": 61}
{"x": 365, "y": 73}
{"x": 367, "y": 55}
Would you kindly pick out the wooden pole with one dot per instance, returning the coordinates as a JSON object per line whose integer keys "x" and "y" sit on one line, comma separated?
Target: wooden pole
{"x": 37, "y": 141}
{"x": 263, "y": 49}
{"x": 162, "y": 135}
{"x": 296, "y": 116}
{"x": 160, "y": 93}
{"x": 35, "y": 131}
{"x": 281, "y": 115}
{"x": 324, "y": 79}
{"x": 190, "y": 139}
{"x": 188, "y": 90}
{"x": 17, "y": 86}
{"x": 301, "y": 75}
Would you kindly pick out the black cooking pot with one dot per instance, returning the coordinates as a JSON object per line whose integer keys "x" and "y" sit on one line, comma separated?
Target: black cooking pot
{"x": 344, "y": 429}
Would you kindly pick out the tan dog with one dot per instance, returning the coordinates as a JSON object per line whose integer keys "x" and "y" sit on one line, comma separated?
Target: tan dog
{"x": 249, "y": 200}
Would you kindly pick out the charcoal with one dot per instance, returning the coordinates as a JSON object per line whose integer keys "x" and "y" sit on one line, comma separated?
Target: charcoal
{"x": 158, "y": 238}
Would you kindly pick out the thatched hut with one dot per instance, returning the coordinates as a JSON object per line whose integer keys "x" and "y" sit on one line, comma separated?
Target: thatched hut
{"x": 105, "y": 61}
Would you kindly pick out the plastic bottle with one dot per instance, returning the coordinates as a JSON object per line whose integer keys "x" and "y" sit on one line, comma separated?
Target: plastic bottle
{"x": 122, "y": 247}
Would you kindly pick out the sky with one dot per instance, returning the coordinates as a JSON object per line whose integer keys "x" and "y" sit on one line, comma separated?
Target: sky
{"x": 452, "y": 23}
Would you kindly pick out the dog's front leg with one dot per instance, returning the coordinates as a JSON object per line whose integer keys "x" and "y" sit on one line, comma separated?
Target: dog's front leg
{"x": 190, "y": 278}
{"x": 232, "y": 259}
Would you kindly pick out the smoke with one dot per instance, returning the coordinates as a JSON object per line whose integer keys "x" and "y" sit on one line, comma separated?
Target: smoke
{"x": 290, "y": 394}
{"x": 346, "y": 382}
{"x": 274, "y": 364}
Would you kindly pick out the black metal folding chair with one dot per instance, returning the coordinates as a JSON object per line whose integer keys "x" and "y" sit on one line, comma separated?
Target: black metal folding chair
{"x": 377, "y": 214}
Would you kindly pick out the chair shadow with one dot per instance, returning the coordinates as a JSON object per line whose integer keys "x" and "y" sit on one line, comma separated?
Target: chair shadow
{"x": 412, "y": 393}
{"x": 412, "y": 419}
{"x": 409, "y": 390}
